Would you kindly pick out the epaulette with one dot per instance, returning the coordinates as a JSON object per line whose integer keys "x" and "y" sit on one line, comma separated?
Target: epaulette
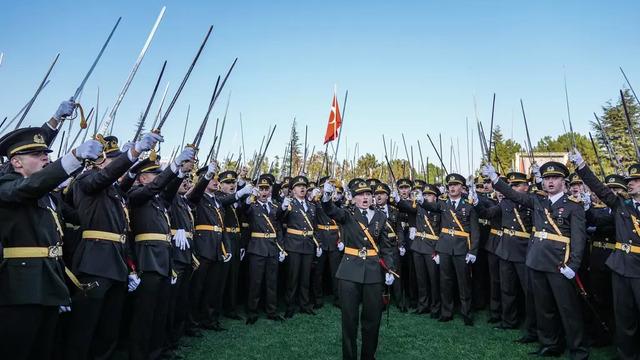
{"x": 574, "y": 199}
{"x": 540, "y": 192}
{"x": 599, "y": 206}
{"x": 443, "y": 197}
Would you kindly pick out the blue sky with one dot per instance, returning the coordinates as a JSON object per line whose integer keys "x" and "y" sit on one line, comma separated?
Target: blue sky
{"x": 411, "y": 67}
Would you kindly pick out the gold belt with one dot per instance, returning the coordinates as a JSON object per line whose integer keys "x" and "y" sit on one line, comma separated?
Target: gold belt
{"x": 453, "y": 232}
{"x": 215, "y": 228}
{"x": 483, "y": 221}
{"x": 361, "y": 253}
{"x": 300, "y": 232}
{"x": 233, "y": 230}
{"x": 245, "y": 225}
{"x": 628, "y": 248}
{"x": 32, "y": 252}
{"x": 153, "y": 237}
{"x": 603, "y": 245}
{"x": 549, "y": 236}
{"x": 517, "y": 233}
{"x": 426, "y": 235}
{"x": 188, "y": 234}
{"x": 264, "y": 235}
{"x": 496, "y": 232}
{"x": 328, "y": 227}
{"x": 104, "y": 235}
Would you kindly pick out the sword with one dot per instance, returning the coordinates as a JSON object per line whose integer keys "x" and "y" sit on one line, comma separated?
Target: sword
{"x": 153, "y": 95}
{"x": 40, "y": 87}
{"x": 114, "y": 109}
{"x": 630, "y": 127}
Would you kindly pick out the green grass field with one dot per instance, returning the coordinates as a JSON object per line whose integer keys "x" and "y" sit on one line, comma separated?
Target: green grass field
{"x": 407, "y": 336}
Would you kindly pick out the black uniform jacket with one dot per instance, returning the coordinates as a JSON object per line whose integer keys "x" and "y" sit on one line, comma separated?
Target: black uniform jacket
{"x": 427, "y": 227}
{"x": 547, "y": 254}
{"x": 149, "y": 215}
{"x": 451, "y": 241}
{"x": 101, "y": 207}
{"x": 626, "y": 217}
{"x": 26, "y": 220}
{"x": 354, "y": 268}
{"x": 297, "y": 219}
{"x": 263, "y": 222}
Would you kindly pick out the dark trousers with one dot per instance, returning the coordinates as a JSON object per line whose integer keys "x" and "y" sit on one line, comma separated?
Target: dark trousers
{"x": 495, "y": 303}
{"x": 626, "y": 304}
{"x": 231, "y": 288}
{"x": 331, "y": 258}
{"x": 263, "y": 269}
{"x": 27, "y": 331}
{"x": 409, "y": 283}
{"x": 557, "y": 303}
{"x": 397, "y": 288}
{"x": 207, "y": 289}
{"x": 428, "y": 279}
{"x": 481, "y": 284}
{"x": 94, "y": 323}
{"x": 178, "y": 309}
{"x": 351, "y": 296}
{"x": 149, "y": 316}
{"x": 298, "y": 279}
{"x": 454, "y": 268}
{"x": 513, "y": 280}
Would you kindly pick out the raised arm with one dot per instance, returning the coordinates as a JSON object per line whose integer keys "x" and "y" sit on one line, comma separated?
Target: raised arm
{"x": 142, "y": 194}
{"x": 98, "y": 180}
{"x": 604, "y": 193}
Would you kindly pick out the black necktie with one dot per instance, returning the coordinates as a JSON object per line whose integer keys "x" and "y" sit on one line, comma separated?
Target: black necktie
{"x": 364, "y": 214}
{"x": 265, "y": 208}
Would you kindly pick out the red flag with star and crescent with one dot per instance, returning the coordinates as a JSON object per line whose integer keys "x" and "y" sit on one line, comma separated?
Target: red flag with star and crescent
{"x": 335, "y": 121}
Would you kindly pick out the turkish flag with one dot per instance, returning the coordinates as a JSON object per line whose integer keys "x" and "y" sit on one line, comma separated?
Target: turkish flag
{"x": 335, "y": 121}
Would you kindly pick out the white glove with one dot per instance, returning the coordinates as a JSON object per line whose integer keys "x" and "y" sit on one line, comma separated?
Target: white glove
{"x": 567, "y": 272}
{"x": 348, "y": 196}
{"x": 395, "y": 196}
{"x": 470, "y": 258}
{"x": 242, "y": 253}
{"x": 227, "y": 258}
{"x": 285, "y": 203}
{"x": 148, "y": 141}
{"x": 473, "y": 195}
{"x": 315, "y": 192}
{"x": 340, "y": 246}
{"x": 134, "y": 281}
{"x": 212, "y": 168}
{"x": 419, "y": 197}
{"x": 318, "y": 251}
{"x": 174, "y": 280}
{"x": 127, "y": 146}
{"x": 412, "y": 233}
{"x": 489, "y": 171}
{"x": 535, "y": 169}
{"x": 65, "y": 110}
{"x": 281, "y": 256}
{"x": 188, "y": 153}
{"x": 436, "y": 258}
{"x": 63, "y": 309}
{"x": 586, "y": 200}
{"x": 244, "y": 191}
{"x": 180, "y": 239}
{"x": 89, "y": 149}
{"x": 388, "y": 279}
{"x": 328, "y": 187}
{"x": 402, "y": 250}
{"x": 576, "y": 158}
{"x": 255, "y": 192}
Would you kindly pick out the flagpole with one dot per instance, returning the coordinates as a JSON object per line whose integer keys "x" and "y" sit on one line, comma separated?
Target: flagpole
{"x": 344, "y": 105}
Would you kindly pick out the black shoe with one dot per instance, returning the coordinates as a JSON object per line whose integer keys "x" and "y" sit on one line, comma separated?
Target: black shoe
{"x": 308, "y": 311}
{"x": 215, "y": 326}
{"x": 251, "y": 320}
{"x": 275, "y": 317}
{"x": 403, "y": 309}
{"x": 435, "y": 315}
{"x": 288, "y": 314}
{"x": 318, "y": 306}
{"x": 468, "y": 321}
{"x": 493, "y": 320}
{"x": 421, "y": 311}
{"x": 526, "y": 340}
{"x": 548, "y": 351}
{"x": 445, "y": 318}
{"x": 233, "y": 316}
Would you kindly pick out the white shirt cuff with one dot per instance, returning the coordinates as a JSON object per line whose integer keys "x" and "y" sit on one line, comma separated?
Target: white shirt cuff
{"x": 70, "y": 163}
{"x": 130, "y": 155}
